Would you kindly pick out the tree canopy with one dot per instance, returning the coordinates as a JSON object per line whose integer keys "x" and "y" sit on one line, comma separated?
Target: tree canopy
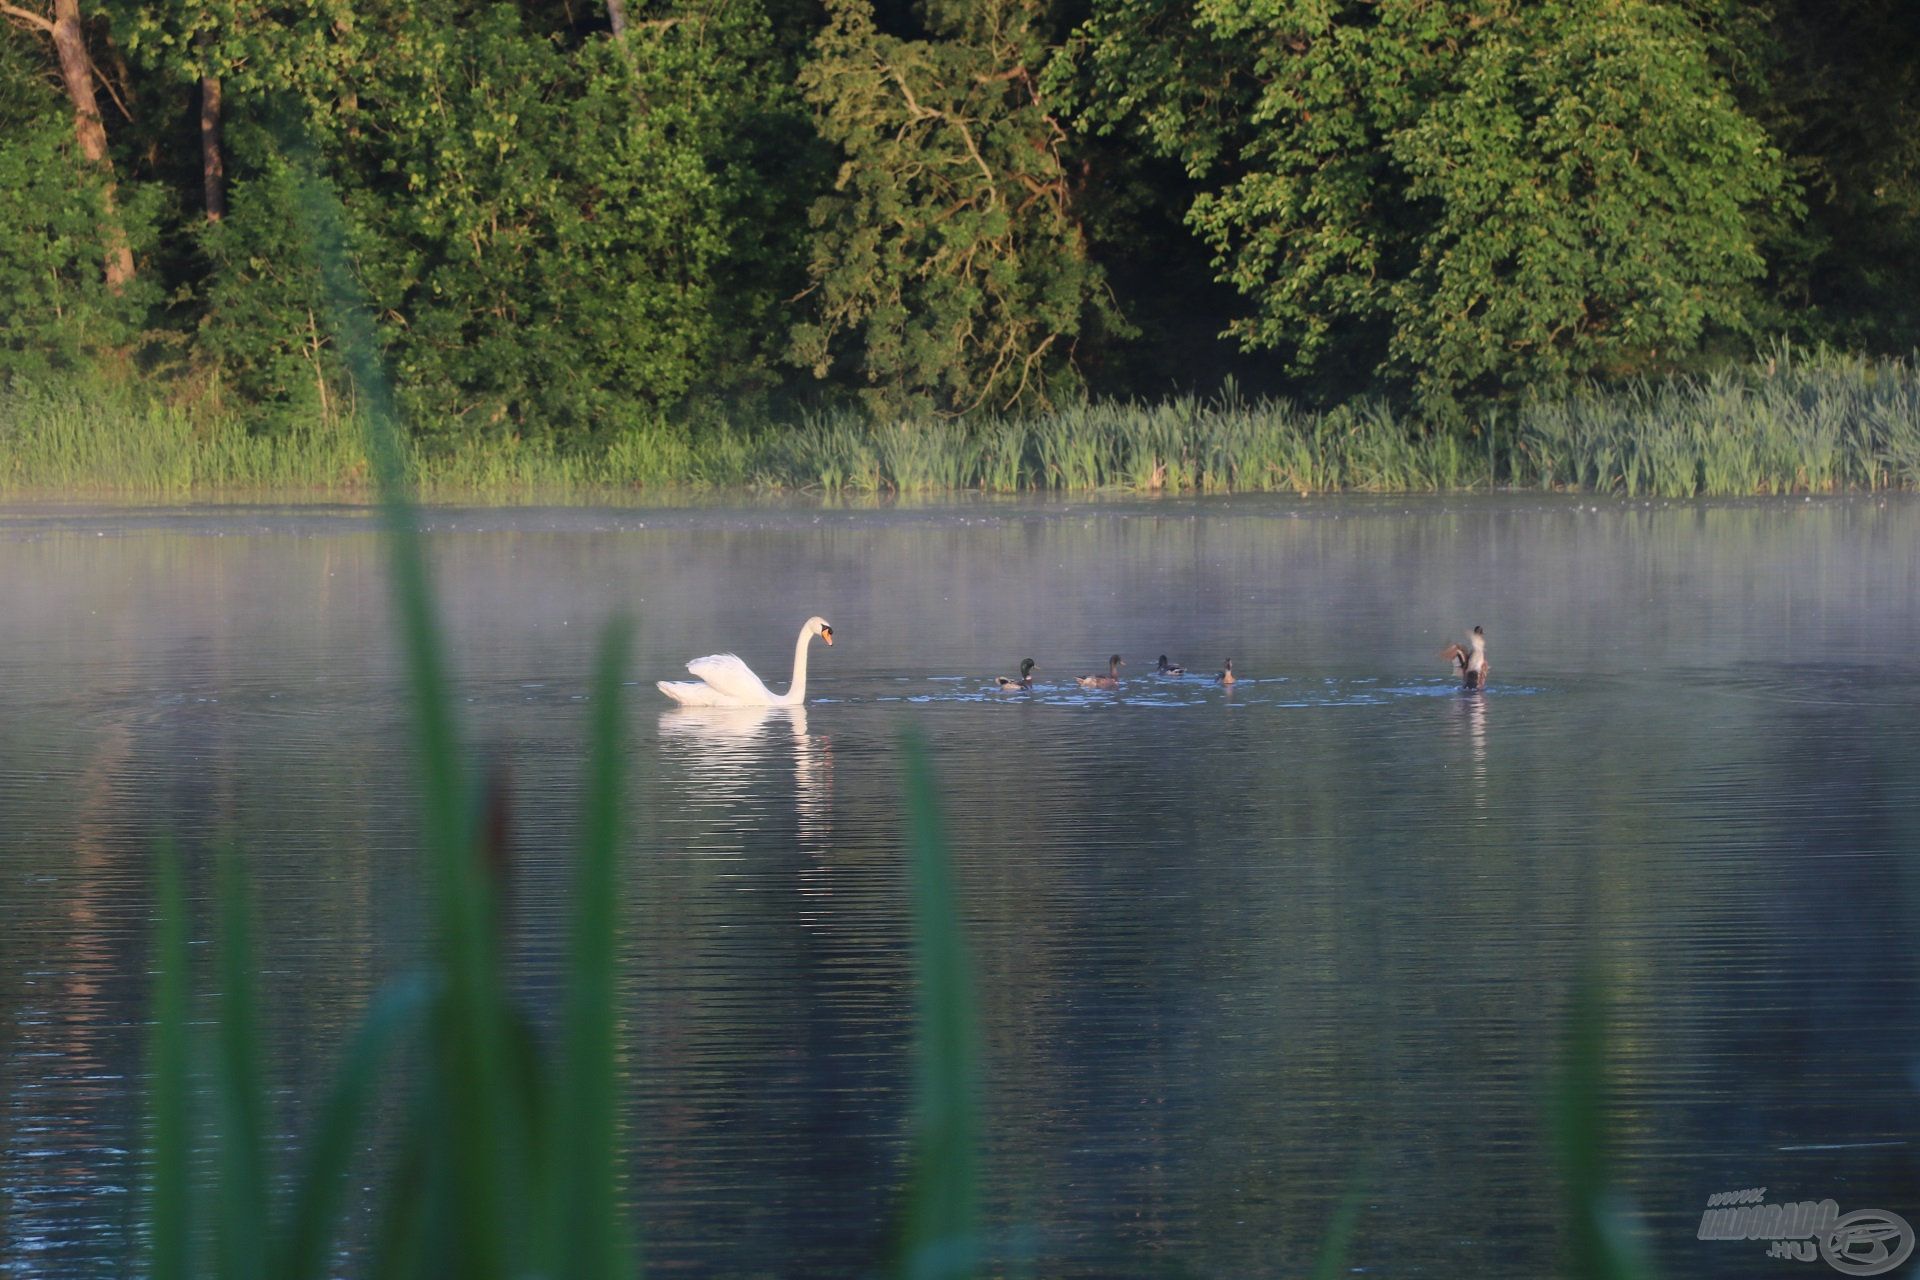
{"x": 573, "y": 220}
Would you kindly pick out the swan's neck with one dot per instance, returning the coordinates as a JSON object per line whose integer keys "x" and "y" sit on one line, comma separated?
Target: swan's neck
{"x": 797, "y": 691}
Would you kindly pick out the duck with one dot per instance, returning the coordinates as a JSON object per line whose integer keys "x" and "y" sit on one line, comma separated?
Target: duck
{"x": 1008, "y": 684}
{"x": 1168, "y": 669}
{"x": 725, "y": 681}
{"x": 1110, "y": 680}
{"x": 1225, "y": 677}
{"x": 1470, "y": 661}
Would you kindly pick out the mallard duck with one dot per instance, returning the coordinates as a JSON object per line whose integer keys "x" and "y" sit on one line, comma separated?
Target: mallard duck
{"x": 1025, "y": 681}
{"x": 1225, "y": 677}
{"x": 1168, "y": 669}
{"x": 1470, "y": 661}
{"x": 1107, "y": 681}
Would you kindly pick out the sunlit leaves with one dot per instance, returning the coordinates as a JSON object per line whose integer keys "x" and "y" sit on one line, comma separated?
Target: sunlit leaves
{"x": 949, "y": 267}
{"x": 1467, "y": 197}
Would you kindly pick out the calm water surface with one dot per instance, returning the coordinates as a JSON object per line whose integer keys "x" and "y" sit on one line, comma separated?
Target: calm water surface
{"x": 1229, "y": 948}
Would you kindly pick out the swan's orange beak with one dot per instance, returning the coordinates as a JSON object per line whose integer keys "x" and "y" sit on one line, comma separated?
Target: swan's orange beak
{"x": 826, "y": 633}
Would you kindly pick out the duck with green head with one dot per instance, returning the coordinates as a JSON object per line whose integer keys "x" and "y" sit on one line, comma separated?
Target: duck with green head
{"x": 1008, "y": 684}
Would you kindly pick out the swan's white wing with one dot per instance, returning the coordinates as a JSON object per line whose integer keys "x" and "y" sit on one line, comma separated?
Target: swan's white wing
{"x": 731, "y": 678}
{"x": 692, "y": 693}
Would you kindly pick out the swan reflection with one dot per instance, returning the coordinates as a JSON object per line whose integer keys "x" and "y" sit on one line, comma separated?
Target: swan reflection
{"x": 729, "y": 749}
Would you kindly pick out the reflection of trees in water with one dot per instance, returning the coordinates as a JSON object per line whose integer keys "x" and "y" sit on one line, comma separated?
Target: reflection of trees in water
{"x": 1195, "y": 1025}
{"x": 140, "y": 724}
{"x": 70, "y": 1037}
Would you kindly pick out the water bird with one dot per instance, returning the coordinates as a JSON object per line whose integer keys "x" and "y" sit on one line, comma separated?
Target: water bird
{"x": 725, "y": 681}
{"x": 1471, "y": 661}
{"x": 1225, "y": 677}
{"x": 1168, "y": 669}
{"x": 1111, "y": 680}
{"x": 1008, "y": 683}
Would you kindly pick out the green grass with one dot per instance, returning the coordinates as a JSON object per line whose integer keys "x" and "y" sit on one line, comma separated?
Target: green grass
{"x": 1797, "y": 421}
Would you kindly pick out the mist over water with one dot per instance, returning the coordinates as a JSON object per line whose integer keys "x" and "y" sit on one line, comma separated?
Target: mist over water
{"x": 1229, "y": 946}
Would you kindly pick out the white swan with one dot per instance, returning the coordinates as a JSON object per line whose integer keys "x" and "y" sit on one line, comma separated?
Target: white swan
{"x": 729, "y": 682}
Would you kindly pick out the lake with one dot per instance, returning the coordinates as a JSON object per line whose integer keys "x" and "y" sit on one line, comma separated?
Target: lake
{"x": 1235, "y": 952}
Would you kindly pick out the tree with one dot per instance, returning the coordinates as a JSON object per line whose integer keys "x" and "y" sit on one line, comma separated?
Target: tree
{"x": 1467, "y": 198}
{"x": 559, "y": 230}
{"x": 1837, "y": 84}
{"x": 949, "y": 267}
{"x": 265, "y": 326}
{"x": 65, "y": 29}
{"x": 62, "y": 311}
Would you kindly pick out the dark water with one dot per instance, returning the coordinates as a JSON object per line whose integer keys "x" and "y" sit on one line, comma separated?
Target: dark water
{"x": 1229, "y": 949}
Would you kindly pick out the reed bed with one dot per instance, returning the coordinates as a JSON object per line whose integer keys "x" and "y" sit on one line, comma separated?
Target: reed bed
{"x": 1798, "y": 421}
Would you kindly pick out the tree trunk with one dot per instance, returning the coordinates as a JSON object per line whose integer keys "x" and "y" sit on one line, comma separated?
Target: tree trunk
{"x": 617, "y": 16}
{"x": 213, "y": 165}
{"x": 76, "y": 68}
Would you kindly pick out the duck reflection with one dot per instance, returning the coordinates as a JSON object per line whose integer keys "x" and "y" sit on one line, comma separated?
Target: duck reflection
{"x": 1471, "y": 710}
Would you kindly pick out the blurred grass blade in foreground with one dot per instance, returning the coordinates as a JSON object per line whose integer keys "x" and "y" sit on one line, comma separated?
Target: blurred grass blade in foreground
{"x": 1603, "y": 1237}
{"x": 937, "y": 1232}
{"x": 240, "y": 1088}
{"x": 170, "y": 1231}
{"x": 501, "y": 1160}
{"x": 585, "y": 1100}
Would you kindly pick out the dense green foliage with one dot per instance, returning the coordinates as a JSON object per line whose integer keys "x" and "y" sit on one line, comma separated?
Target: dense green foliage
{"x": 59, "y": 314}
{"x": 601, "y": 234}
{"x": 1464, "y": 197}
{"x": 950, "y": 246}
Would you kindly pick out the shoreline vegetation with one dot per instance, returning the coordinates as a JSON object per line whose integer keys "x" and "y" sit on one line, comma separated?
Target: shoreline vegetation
{"x": 1797, "y": 421}
{"x": 864, "y": 248}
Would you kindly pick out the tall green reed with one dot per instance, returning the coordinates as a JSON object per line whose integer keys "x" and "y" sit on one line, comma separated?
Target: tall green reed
{"x": 1603, "y": 1239}
{"x": 170, "y": 1099}
{"x": 1792, "y": 421}
{"x": 507, "y": 1163}
{"x": 937, "y": 1237}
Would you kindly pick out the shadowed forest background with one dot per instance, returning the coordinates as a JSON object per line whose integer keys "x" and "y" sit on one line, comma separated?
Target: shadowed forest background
{"x": 630, "y": 232}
